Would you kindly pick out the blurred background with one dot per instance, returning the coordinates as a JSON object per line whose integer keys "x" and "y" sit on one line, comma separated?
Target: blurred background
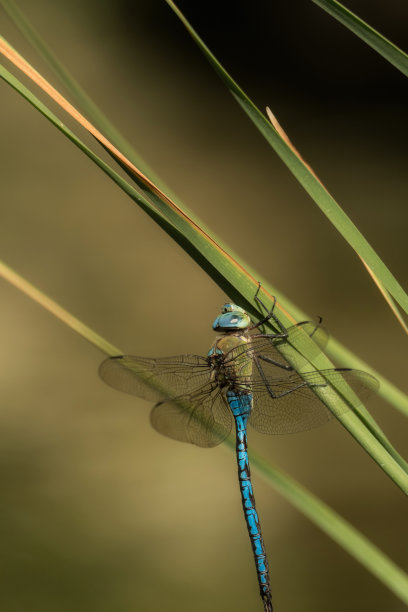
{"x": 98, "y": 511}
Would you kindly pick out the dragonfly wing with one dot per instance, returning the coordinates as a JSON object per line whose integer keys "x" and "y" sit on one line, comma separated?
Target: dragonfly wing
{"x": 201, "y": 418}
{"x": 155, "y": 379}
{"x": 289, "y": 404}
{"x": 307, "y": 337}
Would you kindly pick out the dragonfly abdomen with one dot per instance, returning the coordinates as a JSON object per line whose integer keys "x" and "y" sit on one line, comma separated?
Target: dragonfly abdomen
{"x": 241, "y": 406}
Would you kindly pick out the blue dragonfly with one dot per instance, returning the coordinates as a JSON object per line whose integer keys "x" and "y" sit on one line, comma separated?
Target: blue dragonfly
{"x": 243, "y": 379}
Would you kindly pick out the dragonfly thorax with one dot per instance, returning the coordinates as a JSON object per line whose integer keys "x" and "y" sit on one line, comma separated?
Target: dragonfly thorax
{"x": 230, "y": 361}
{"x": 232, "y": 318}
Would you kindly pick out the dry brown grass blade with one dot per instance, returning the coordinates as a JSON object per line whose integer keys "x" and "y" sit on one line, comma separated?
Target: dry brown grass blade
{"x": 285, "y": 137}
{"x": 383, "y": 291}
{"x": 387, "y": 297}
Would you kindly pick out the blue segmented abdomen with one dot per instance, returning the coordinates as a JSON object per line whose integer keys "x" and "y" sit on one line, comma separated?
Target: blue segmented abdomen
{"x": 241, "y": 406}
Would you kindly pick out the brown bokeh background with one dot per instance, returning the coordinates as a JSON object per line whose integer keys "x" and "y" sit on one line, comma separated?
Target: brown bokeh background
{"x": 97, "y": 511}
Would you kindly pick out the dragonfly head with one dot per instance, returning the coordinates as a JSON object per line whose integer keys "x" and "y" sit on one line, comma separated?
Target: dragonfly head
{"x": 232, "y": 318}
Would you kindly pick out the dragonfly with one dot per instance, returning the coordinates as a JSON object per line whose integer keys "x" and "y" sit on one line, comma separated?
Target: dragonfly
{"x": 244, "y": 379}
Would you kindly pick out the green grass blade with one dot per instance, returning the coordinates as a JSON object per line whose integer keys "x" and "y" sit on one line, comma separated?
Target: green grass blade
{"x": 325, "y": 518}
{"x": 55, "y": 309}
{"x": 374, "y": 39}
{"x": 226, "y": 272}
{"x": 306, "y": 178}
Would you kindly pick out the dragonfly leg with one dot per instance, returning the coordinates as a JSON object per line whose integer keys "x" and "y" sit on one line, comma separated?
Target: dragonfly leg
{"x": 262, "y": 373}
{"x": 299, "y": 386}
{"x": 284, "y": 366}
{"x": 283, "y": 333}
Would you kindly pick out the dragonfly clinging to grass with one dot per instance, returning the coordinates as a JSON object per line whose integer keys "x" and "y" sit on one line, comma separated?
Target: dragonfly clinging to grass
{"x": 243, "y": 379}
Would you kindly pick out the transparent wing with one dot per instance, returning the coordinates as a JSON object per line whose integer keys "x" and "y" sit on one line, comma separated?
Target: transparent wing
{"x": 301, "y": 334}
{"x": 284, "y": 402}
{"x": 201, "y": 418}
{"x": 155, "y": 379}
{"x": 307, "y": 337}
{"x": 287, "y": 404}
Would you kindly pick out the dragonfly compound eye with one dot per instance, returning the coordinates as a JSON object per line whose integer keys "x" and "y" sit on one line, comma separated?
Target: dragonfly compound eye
{"x": 232, "y": 308}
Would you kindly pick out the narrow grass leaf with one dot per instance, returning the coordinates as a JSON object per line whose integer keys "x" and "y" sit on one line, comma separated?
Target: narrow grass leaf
{"x": 374, "y": 39}
{"x": 55, "y": 309}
